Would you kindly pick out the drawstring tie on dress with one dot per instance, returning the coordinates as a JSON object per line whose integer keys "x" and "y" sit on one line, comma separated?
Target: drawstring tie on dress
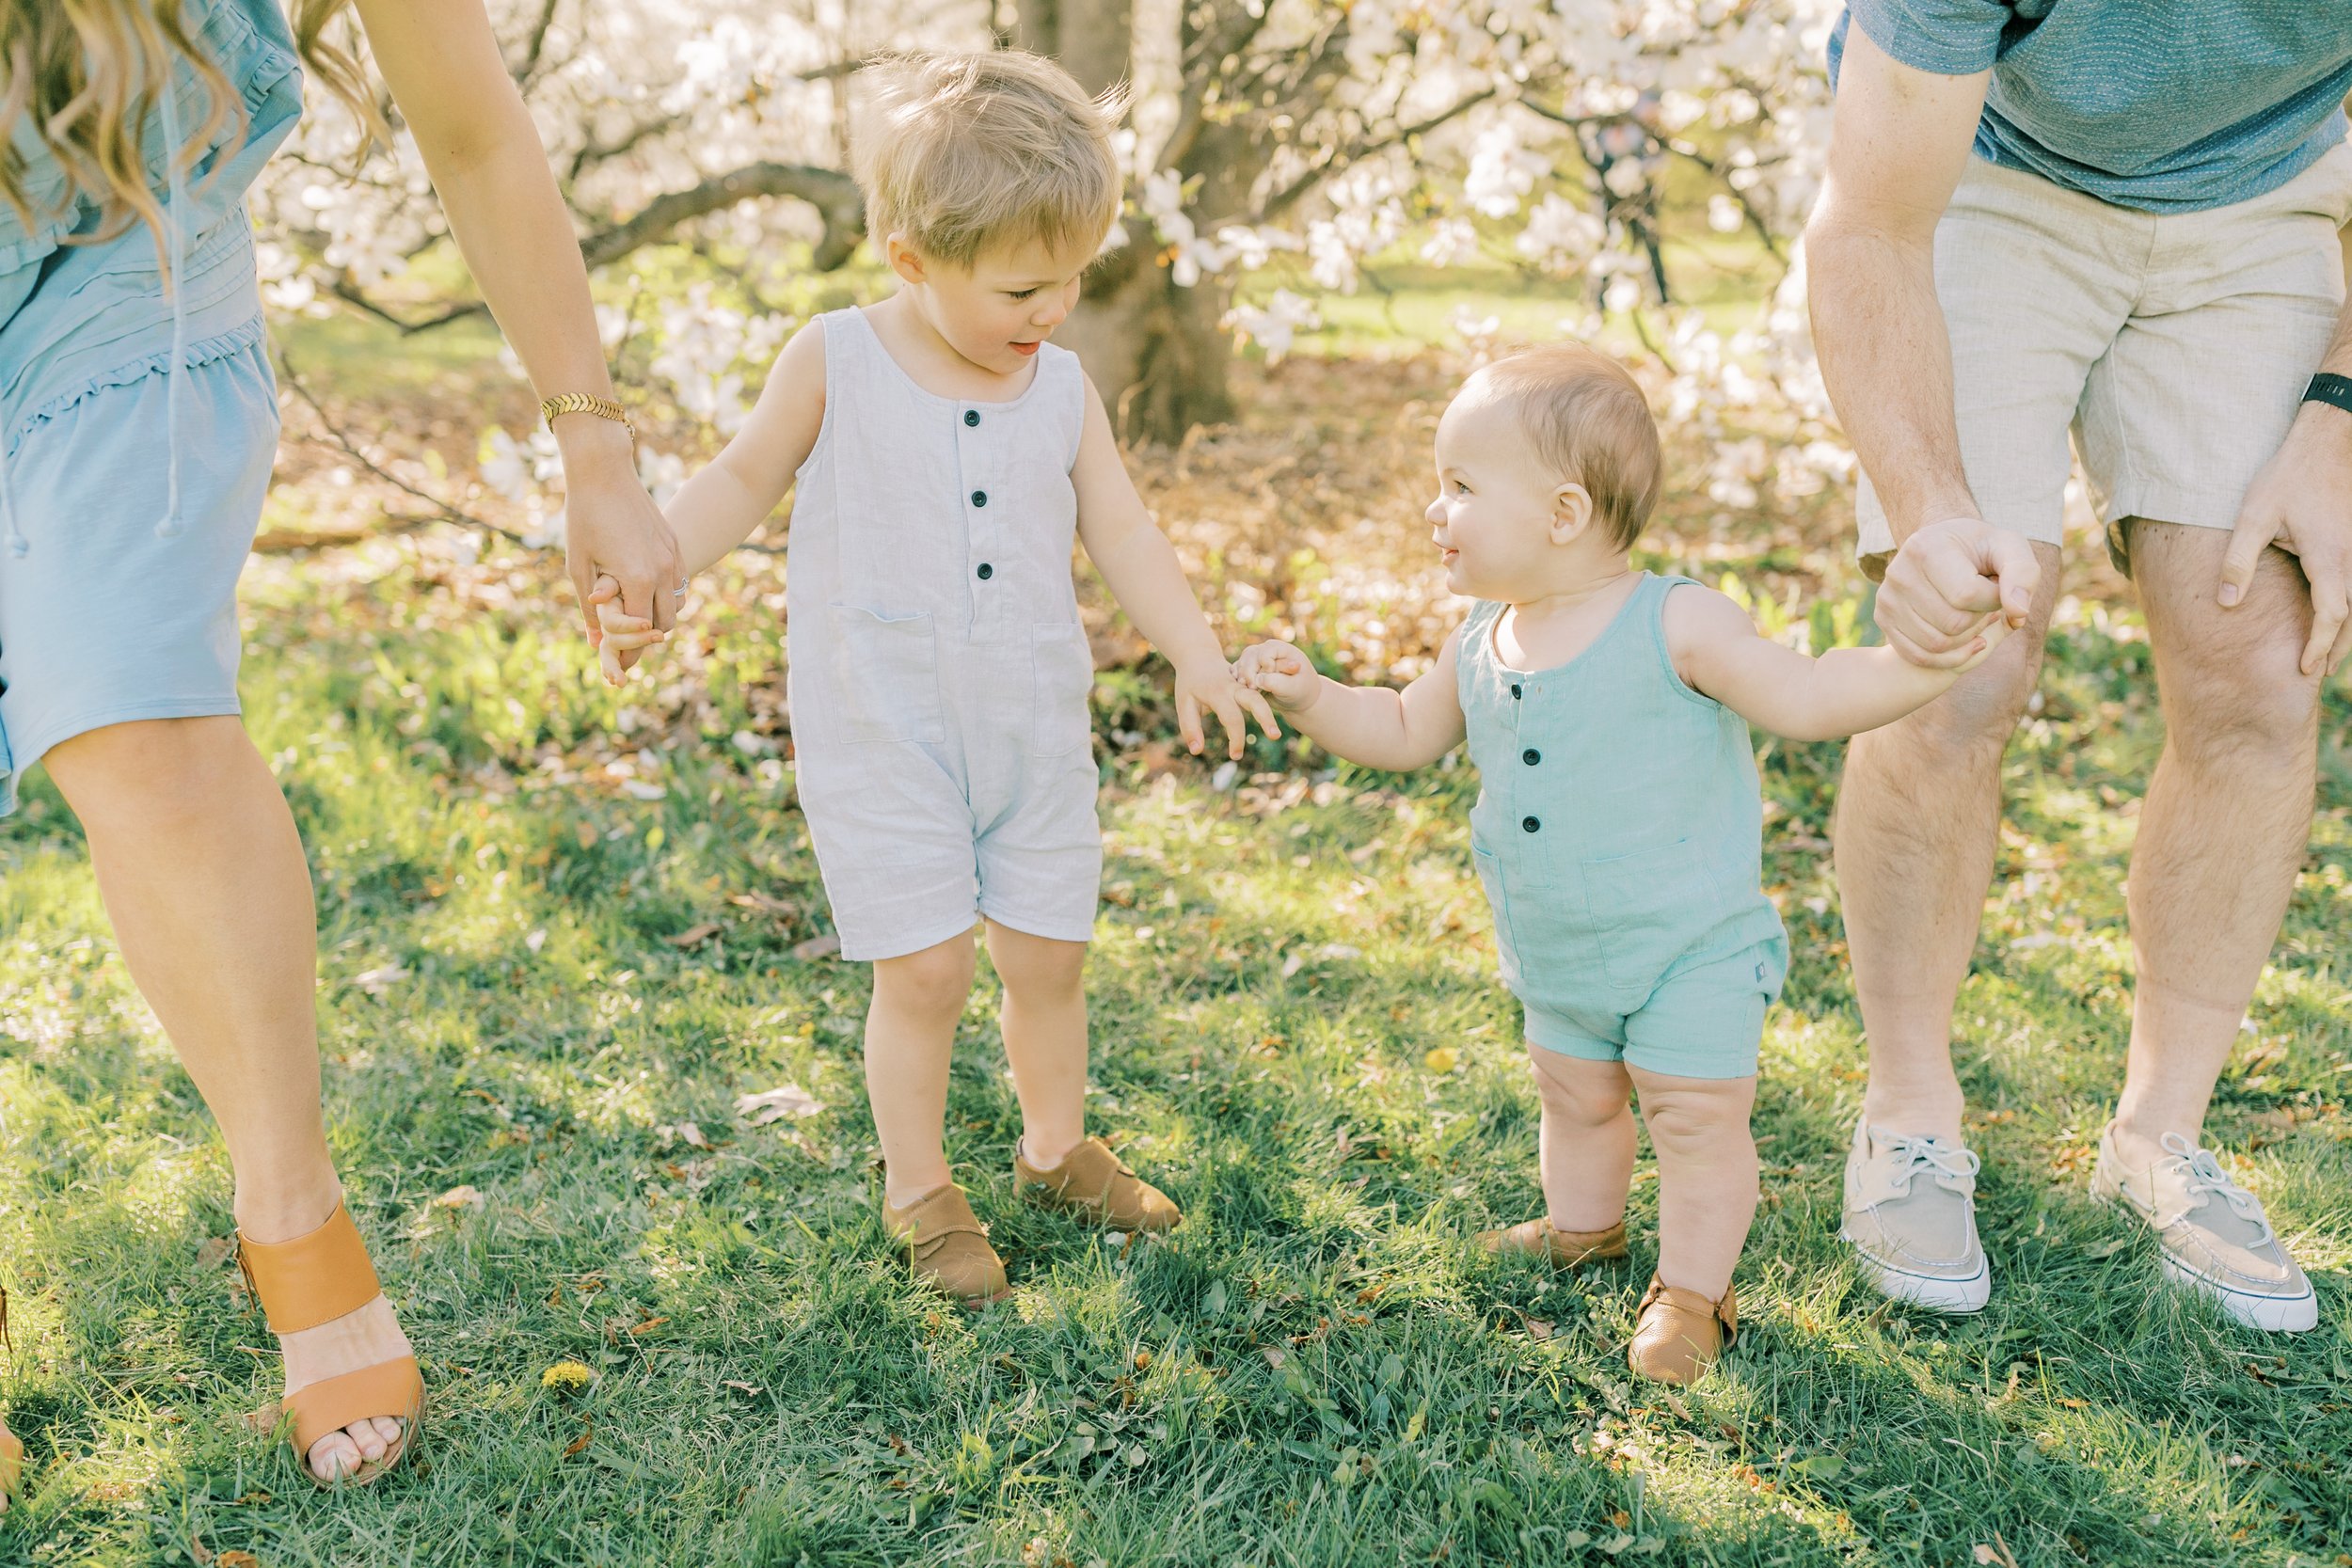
{"x": 175, "y": 222}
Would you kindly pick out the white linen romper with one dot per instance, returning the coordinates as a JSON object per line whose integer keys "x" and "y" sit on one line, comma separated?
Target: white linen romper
{"x": 937, "y": 671}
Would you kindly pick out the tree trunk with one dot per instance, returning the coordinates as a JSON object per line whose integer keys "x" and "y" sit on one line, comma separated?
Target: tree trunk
{"x": 1157, "y": 353}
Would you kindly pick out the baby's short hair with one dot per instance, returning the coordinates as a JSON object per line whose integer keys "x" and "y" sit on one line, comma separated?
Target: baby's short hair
{"x": 964, "y": 153}
{"x": 1589, "y": 423}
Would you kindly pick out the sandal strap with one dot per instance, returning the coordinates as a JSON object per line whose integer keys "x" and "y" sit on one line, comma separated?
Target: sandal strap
{"x": 312, "y": 1279}
{"x": 1692, "y": 1305}
{"x": 11, "y": 1461}
{"x": 932, "y": 1218}
{"x": 393, "y": 1389}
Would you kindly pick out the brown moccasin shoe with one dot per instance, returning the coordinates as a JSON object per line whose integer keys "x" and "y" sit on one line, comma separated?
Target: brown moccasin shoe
{"x": 1092, "y": 1183}
{"x": 1562, "y": 1249}
{"x": 949, "y": 1245}
{"x": 1680, "y": 1334}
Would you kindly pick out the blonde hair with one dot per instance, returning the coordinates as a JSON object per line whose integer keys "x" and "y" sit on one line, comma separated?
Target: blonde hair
{"x": 1589, "y": 423}
{"x": 89, "y": 72}
{"x": 965, "y": 153}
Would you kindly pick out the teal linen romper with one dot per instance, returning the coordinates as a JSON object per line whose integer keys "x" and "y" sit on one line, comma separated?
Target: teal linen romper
{"x": 1619, "y": 835}
{"x": 137, "y": 426}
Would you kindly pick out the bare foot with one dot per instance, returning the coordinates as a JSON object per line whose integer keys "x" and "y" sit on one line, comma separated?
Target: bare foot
{"x": 363, "y": 1338}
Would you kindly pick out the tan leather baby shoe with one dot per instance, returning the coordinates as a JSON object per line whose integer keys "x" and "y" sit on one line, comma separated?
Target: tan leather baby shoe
{"x": 1563, "y": 1249}
{"x": 1679, "y": 1334}
{"x": 1092, "y": 1183}
{"x": 949, "y": 1245}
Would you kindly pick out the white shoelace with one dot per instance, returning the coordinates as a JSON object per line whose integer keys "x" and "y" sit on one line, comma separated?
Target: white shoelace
{"x": 1920, "y": 1156}
{"x": 2202, "y": 1173}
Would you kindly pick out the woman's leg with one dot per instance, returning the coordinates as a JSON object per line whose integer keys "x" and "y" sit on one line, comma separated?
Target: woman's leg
{"x": 204, "y": 879}
{"x": 909, "y": 1032}
{"x": 1046, "y": 1039}
{"x": 1586, "y": 1145}
{"x": 1706, "y": 1175}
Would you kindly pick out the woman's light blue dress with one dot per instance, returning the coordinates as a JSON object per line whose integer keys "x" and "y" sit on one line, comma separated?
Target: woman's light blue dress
{"x": 137, "y": 426}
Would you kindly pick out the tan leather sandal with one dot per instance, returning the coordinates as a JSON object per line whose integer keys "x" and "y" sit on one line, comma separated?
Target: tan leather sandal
{"x": 1679, "y": 1334}
{"x": 314, "y": 1280}
{"x": 1093, "y": 1184}
{"x": 947, "y": 1246}
{"x": 1562, "y": 1249}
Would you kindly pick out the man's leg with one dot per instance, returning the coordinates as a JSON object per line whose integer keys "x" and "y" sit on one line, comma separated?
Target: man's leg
{"x": 1917, "y": 826}
{"x": 2226, "y": 821}
{"x": 2227, "y": 817}
{"x": 1917, "y": 829}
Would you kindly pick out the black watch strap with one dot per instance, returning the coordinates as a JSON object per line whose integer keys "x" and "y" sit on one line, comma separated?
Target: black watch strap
{"x": 2335, "y": 389}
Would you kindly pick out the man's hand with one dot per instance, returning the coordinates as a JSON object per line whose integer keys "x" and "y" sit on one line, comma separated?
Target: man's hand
{"x": 2301, "y": 502}
{"x": 1213, "y": 686}
{"x": 1949, "y": 582}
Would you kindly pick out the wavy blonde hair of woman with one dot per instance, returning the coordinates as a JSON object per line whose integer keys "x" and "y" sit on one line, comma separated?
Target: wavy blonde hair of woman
{"x": 87, "y": 74}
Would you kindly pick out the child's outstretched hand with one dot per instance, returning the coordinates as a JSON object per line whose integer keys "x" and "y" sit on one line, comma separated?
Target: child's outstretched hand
{"x": 1213, "y": 686}
{"x": 621, "y": 631}
{"x": 1279, "y": 671}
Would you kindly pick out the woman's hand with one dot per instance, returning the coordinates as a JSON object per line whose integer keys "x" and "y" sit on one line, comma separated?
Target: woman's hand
{"x": 613, "y": 528}
{"x": 441, "y": 59}
{"x": 1282, "y": 671}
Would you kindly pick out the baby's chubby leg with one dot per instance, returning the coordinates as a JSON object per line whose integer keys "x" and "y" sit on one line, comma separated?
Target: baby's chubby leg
{"x": 910, "y": 1030}
{"x": 1706, "y": 1175}
{"x": 1046, "y": 1037}
{"x": 1586, "y": 1147}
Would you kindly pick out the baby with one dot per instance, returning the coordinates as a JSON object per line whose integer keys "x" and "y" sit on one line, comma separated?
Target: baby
{"x": 1619, "y": 825}
{"x": 942, "y": 455}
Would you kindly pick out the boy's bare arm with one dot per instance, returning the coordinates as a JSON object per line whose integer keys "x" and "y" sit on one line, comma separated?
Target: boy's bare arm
{"x": 1141, "y": 568}
{"x": 727, "y": 502}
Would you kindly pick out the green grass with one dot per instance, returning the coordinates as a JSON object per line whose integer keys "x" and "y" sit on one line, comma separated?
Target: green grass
{"x": 1317, "y": 1370}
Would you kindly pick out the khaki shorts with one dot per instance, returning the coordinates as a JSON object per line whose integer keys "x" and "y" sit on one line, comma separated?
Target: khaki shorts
{"x": 2174, "y": 346}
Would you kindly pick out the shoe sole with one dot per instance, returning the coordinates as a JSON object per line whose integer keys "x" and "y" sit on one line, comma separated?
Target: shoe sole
{"x": 1956, "y": 1298}
{"x": 2271, "y": 1314}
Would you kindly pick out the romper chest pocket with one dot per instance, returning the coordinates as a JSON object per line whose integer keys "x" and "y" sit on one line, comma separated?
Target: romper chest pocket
{"x": 1061, "y": 682}
{"x": 885, "y": 671}
{"x": 1644, "y": 908}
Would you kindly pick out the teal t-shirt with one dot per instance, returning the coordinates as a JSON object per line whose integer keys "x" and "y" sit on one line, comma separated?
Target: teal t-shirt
{"x": 2161, "y": 105}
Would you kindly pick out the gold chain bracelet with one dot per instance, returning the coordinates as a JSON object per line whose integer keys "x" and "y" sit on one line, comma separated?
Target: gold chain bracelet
{"x": 585, "y": 403}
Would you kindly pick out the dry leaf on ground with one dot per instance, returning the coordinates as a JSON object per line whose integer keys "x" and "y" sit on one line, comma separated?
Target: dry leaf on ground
{"x": 785, "y": 1100}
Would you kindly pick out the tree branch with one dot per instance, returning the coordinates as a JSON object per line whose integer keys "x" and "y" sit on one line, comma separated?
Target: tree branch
{"x": 834, "y": 194}
{"x": 345, "y": 290}
{"x": 1203, "y": 64}
{"x": 1338, "y": 158}
{"x": 340, "y": 440}
{"x": 531, "y": 51}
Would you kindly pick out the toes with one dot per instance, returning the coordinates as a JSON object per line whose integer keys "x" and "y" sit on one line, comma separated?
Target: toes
{"x": 371, "y": 1442}
{"x": 334, "y": 1456}
{"x": 388, "y": 1429}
